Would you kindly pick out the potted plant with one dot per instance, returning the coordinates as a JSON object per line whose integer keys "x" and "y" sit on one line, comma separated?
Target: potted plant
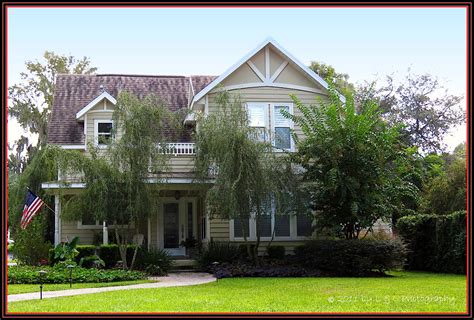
{"x": 191, "y": 246}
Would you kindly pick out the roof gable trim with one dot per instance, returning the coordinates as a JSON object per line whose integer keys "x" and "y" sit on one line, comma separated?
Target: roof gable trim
{"x": 93, "y": 103}
{"x": 249, "y": 55}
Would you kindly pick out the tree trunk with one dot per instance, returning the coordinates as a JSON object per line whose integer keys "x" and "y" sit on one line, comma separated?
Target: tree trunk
{"x": 122, "y": 244}
{"x": 247, "y": 244}
{"x": 136, "y": 248}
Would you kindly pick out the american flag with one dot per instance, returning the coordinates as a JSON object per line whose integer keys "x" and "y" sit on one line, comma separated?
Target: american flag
{"x": 32, "y": 205}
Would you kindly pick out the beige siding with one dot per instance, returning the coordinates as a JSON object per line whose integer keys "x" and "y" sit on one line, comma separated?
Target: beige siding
{"x": 104, "y": 105}
{"x": 267, "y": 94}
{"x": 259, "y": 61}
{"x": 219, "y": 229}
{"x": 91, "y": 117}
{"x": 181, "y": 164}
{"x": 69, "y": 230}
{"x": 244, "y": 74}
{"x": 290, "y": 75}
{"x": 275, "y": 61}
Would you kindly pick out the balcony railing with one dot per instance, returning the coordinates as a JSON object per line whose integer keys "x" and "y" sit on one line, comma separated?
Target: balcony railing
{"x": 179, "y": 149}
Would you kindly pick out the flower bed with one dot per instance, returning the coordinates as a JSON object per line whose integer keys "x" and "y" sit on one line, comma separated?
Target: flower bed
{"x": 30, "y": 275}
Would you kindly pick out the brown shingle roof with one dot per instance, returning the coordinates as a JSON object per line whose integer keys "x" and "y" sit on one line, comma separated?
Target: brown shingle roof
{"x": 200, "y": 82}
{"x": 74, "y": 92}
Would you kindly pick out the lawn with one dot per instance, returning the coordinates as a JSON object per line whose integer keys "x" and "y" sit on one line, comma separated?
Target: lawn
{"x": 404, "y": 292}
{"x": 25, "y": 288}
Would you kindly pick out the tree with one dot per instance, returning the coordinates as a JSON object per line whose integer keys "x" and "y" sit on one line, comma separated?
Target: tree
{"x": 248, "y": 176}
{"x": 118, "y": 189}
{"x": 419, "y": 103}
{"x": 445, "y": 187}
{"x": 351, "y": 163}
{"x": 328, "y": 73}
{"x": 31, "y": 101}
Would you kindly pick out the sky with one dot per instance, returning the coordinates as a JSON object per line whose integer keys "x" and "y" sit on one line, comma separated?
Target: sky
{"x": 367, "y": 44}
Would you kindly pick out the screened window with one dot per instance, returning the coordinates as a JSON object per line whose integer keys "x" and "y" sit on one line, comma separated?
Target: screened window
{"x": 190, "y": 220}
{"x": 282, "y": 128}
{"x": 282, "y": 225}
{"x": 265, "y": 225}
{"x": 303, "y": 226}
{"x": 238, "y": 228}
{"x": 270, "y": 124}
{"x": 103, "y": 132}
{"x": 257, "y": 120}
{"x": 88, "y": 219}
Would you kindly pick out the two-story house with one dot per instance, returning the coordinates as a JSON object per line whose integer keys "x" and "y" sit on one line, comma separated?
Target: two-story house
{"x": 264, "y": 79}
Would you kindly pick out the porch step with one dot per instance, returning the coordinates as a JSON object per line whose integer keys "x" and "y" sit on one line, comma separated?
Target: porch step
{"x": 183, "y": 263}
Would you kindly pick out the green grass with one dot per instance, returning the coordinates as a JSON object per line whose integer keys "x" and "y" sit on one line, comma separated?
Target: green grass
{"x": 25, "y": 288}
{"x": 404, "y": 292}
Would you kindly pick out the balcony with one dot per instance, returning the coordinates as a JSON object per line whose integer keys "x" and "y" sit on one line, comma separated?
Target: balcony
{"x": 179, "y": 149}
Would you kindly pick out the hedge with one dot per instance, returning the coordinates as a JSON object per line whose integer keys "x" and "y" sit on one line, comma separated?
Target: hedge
{"x": 30, "y": 275}
{"x": 111, "y": 255}
{"x": 351, "y": 257}
{"x": 276, "y": 252}
{"x": 436, "y": 242}
{"x": 84, "y": 251}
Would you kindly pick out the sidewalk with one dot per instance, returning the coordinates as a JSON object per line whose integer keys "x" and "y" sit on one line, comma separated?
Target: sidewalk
{"x": 173, "y": 280}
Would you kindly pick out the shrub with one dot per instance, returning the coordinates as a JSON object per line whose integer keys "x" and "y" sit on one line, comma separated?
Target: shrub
{"x": 85, "y": 251}
{"x": 242, "y": 269}
{"x": 276, "y": 252}
{"x": 30, "y": 246}
{"x": 243, "y": 253}
{"x": 155, "y": 261}
{"x": 91, "y": 262}
{"x": 110, "y": 254}
{"x": 352, "y": 257}
{"x": 29, "y": 275}
{"x": 217, "y": 251}
{"x": 436, "y": 243}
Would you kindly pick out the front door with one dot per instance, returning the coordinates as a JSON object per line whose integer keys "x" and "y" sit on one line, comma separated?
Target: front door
{"x": 172, "y": 228}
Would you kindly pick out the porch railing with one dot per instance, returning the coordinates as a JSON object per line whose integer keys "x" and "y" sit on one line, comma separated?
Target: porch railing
{"x": 179, "y": 149}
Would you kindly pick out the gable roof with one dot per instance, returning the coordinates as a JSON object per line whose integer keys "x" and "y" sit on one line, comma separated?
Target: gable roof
{"x": 268, "y": 41}
{"x": 74, "y": 93}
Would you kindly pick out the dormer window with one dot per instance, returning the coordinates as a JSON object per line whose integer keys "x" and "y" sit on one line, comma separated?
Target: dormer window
{"x": 103, "y": 133}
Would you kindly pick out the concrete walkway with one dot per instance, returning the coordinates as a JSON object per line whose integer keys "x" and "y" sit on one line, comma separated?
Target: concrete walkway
{"x": 173, "y": 280}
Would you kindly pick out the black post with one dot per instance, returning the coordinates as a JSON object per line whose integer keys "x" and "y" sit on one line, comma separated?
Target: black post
{"x": 70, "y": 275}
{"x": 41, "y": 273}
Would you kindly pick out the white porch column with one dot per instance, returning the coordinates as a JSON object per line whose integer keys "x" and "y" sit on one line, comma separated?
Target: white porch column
{"x": 57, "y": 212}
{"x": 105, "y": 234}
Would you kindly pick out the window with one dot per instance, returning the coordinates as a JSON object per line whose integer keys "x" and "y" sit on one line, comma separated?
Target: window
{"x": 103, "y": 132}
{"x": 203, "y": 228}
{"x": 265, "y": 225}
{"x": 89, "y": 220}
{"x": 281, "y": 128}
{"x": 286, "y": 227}
{"x": 190, "y": 220}
{"x": 257, "y": 120}
{"x": 270, "y": 124}
{"x": 238, "y": 228}
{"x": 303, "y": 226}
{"x": 282, "y": 225}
